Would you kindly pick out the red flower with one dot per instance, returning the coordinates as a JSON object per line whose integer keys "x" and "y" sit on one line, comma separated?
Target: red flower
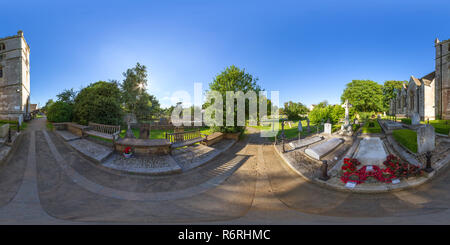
{"x": 127, "y": 150}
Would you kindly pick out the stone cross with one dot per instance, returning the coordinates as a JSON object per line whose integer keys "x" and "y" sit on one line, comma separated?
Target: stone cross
{"x": 347, "y": 106}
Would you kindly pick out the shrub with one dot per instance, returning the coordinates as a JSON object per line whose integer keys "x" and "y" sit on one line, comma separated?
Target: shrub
{"x": 406, "y": 121}
{"x": 100, "y": 103}
{"x": 60, "y": 112}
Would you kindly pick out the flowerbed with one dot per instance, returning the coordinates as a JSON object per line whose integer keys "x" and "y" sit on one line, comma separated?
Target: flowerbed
{"x": 395, "y": 169}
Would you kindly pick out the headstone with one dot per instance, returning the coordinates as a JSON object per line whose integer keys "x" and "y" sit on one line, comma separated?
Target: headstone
{"x": 163, "y": 121}
{"x": 4, "y": 130}
{"x": 144, "y": 131}
{"x": 415, "y": 119}
{"x": 379, "y": 116}
{"x": 308, "y": 129}
{"x": 300, "y": 128}
{"x": 355, "y": 121}
{"x": 130, "y": 118}
{"x": 327, "y": 128}
{"x": 426, "y": 139}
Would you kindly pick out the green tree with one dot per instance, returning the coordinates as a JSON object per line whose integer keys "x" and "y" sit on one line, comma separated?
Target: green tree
{"x": 59, "y": 111}
{"x": 364, "y": 95}
{"x": 388, "y": 91}
{"x": 233, "y": 79}
{"x": 294, "y": 111}
{"x": 134, "y": 96}
{"x": 100, "y": 103}
{"x": 68, "y": 96}
{"x": 47, "y": 106}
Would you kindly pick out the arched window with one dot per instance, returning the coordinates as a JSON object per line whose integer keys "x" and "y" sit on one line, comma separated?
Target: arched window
{"x": 1, "y": 72}
{"x": 2, "y": 46}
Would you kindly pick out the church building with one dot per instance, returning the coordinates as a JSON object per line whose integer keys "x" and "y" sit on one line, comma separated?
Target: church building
{"x": 14, "y": 78}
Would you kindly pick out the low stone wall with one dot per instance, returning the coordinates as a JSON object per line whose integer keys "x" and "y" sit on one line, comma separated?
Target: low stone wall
{"x": 144, "y": 146}
{"x": 213, "y": 138}
{"x": 232, "y": 136}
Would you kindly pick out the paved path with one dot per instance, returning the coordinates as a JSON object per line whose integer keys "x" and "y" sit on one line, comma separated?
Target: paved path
{"x": 249, "y": 184}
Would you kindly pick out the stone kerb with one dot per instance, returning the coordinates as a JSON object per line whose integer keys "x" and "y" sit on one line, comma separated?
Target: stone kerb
{"x": 144, "y": 146}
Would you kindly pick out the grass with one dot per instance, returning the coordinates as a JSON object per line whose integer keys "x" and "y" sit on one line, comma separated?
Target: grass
{"x": 407, "y": 138}
{"x": 367, "y": 129}
{"x": 289, "y": 132}
{"x": 440, "y": 126}
{"x": 13, "y": 124}
{"x": 161, "y": 134}
{"x": 49, "y": 126}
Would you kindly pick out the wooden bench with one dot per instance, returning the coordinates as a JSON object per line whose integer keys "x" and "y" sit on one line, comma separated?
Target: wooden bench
{"x": 110, "y": 132}
{"x": 213, "y": 138}
{"x": 181, "y": 139}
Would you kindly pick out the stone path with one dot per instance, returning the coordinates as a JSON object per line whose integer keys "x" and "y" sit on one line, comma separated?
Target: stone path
{"x": 59, "y": 186}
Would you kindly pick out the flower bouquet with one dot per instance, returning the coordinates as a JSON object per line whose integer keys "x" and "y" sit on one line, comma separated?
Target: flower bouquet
{"x": 127, "y": 153}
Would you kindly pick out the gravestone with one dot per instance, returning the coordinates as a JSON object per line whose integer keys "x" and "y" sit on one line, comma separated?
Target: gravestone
{"x": 4, "y": 130}
{"x": 144, "y": 131}
{"x": 415, "y": 119}
{"x": 163, "y": 121}
{"x": 308, "y": 129}
{"x": 327, "y": 128}
{"x": 300, "y": 129}
{"x": 426, "y": 139}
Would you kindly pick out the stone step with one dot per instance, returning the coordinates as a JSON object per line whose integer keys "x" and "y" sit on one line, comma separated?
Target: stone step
{"x": 67, "y": 135}
{"x": 319, "y": 151}
{"x": 91, "y": 150}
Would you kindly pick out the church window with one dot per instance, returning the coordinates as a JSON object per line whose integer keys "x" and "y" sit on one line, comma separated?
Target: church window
{"x": 1, "y": 71}
{"x": 2, "y": 46}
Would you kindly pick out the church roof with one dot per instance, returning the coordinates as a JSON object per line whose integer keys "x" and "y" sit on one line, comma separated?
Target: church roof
{"x": 416, "y": 81}
{"x": 427, "y": 79}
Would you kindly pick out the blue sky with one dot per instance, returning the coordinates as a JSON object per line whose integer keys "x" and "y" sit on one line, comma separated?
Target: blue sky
{"x": 307, "y": 50}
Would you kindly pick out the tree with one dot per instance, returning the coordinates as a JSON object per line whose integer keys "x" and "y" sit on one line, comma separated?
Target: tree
{"x": 364, "y": 95}
{"x": 134, "y": 97}
{"x": 294, "y": 111}
{"x": 100, "y": 103}
{"x": 47, "y": 106}
{"x": 233, "y": 79}
{"x": 68, "y": 96}
{"x": 59, "y": 111}
{"x": 388, "y": 91}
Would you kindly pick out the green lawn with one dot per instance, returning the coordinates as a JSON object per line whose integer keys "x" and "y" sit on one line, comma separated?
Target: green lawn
{"x": 289, "y": 132}
{"x": 440, "y": 126}
{"x": 367, "y": 129}
{"x": 406, "y": 137}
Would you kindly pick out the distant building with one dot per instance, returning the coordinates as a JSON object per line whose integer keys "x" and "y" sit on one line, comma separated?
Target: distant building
{"x": 428, "y": 96}
{"x": 14, "y": 77}
{"x": 311, "y": 107}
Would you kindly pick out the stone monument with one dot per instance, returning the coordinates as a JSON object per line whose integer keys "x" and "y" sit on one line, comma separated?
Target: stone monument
{"x": 300, "y": 129}
{"x": 327, "y": 128}
{"x": 308, "y": 129}
{"x": 426, "y": 139}
{"x": 415, "y": 118}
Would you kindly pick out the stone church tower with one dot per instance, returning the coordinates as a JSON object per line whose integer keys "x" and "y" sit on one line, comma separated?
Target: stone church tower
{"x": 14, "y": 77}
{"x": 443, "y": 78}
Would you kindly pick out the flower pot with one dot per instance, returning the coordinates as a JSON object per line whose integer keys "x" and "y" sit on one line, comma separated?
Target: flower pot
{"x": 127, "y": 155}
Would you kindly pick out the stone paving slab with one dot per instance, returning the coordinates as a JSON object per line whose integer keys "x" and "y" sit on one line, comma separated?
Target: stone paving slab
{"x": 304, "y": 142}
{"x": 197, "y": 155}
{"x": 93, "y": 151}
{"x": 67, "y": 135}
{"x": 154, "y": 164}
{"x": 319, "y": 151}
